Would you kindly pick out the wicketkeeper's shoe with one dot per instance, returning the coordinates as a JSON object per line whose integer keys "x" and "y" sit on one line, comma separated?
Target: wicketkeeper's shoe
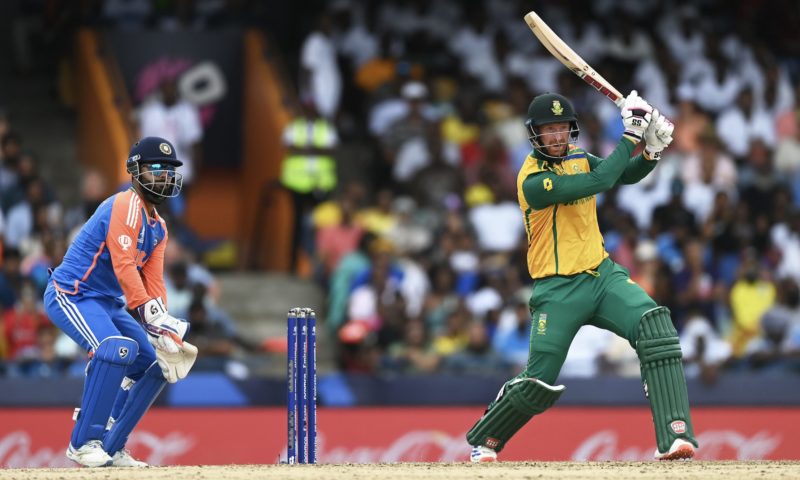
{"x": 123, "y": 458}
{"x": 89, "y": 455}
{"x": 680, "y": 450}
{"x": 481, "y": 454}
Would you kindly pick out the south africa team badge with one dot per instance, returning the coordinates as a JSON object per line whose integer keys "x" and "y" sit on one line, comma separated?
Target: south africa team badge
{"x": 541, "y": 327}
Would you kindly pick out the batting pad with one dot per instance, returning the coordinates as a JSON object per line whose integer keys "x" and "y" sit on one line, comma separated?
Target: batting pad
{"x": 662, "y": 373}
{"x": 140, "y": 398}
{"x": 518, "y": 401}
{"x": 103, "y": 377}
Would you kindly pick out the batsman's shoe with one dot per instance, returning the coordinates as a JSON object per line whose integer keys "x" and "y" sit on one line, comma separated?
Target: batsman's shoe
{"x": 89, "y": 455}
{"x": 481, "y": 454}
{"x": 123, "y": 458}
{"x": 680, "y": 450}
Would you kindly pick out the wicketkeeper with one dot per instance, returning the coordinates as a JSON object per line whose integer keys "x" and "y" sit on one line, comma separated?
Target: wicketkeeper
{"x": 575, "y": 281}
{"x": 120, "y": 251}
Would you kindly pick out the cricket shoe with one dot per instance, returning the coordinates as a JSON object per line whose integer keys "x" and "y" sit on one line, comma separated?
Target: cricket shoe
{"x": 89, "y": 455}
{"x": 123, "y": 458}
{"x": 481, "y": 454}
{"x": 680, "y": 450}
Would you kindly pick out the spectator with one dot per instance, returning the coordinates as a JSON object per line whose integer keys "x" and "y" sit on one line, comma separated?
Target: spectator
{"x": 308, "y": 171}
{"x": 171, "y": 117}
{"x": 93, "y": 192}
{"x": 751, "y": 296}
{"x": 512, "y": 338}
{"x": 11, "y": 279}
{"x": 10, "y": 151}
{"x": 455, "y": 336}
{"x": 739, "y": 125}
{"x": 704, "y": 174}
{"x": 41, "y": 360}
{"x": 413, "y": 353}
{"x": 336, "y": 241}
{"x": 773, "y": 348}
{"x": 22, "y": 322}
{"x": 705, "y": 352}
{"x": 320, "y": 79}
{"x": 477, "y": 357}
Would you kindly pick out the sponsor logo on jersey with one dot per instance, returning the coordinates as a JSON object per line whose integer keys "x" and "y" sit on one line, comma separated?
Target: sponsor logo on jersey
{"x": 678, "y": 426}
{"x": 165, "y": 148}
{"x": 541, "y": 326}
{"x": 548, "y": 184}
{"x": 124, "y": 241}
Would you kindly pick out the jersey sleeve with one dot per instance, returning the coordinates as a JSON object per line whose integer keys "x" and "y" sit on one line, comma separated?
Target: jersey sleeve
{"x": 638, "y": 167}
{"x": 153, "y": 270}
{"x": 547, "y": 188}
{"x": 121, "y": 242}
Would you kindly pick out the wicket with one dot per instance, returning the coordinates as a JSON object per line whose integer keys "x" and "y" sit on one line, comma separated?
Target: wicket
{"x": 301, "y": 386}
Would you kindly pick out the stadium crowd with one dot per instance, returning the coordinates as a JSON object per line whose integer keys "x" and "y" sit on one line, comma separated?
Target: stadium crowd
{"x": 422, "y": 253}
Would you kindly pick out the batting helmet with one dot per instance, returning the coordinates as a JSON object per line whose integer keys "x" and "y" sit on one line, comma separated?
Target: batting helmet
{"x": 550, "y": 108}
{"x": 152, "y": 164}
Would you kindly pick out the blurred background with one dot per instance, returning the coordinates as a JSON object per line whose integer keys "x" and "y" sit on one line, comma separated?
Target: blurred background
{"x": 360, "y": 157}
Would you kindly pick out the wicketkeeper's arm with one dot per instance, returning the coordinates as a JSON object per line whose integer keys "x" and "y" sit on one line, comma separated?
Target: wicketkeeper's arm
{"x": 548, "y": 188}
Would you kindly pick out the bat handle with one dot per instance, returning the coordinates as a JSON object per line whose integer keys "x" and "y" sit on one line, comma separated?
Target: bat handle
{"x": 619, "y": 101}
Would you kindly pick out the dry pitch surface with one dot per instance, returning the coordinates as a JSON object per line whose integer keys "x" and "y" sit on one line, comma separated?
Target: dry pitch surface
{"x": 700, "y": 470}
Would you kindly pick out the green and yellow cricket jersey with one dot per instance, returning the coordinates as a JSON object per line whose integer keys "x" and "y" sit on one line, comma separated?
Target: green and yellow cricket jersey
{"x": 560, "y": 210}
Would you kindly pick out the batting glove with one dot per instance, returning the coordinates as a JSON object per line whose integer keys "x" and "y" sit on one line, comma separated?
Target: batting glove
{"x": 636, "y": 115}
{"x": 657, "y": 136}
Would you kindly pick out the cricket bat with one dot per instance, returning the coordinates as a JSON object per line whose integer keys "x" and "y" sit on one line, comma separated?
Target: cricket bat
{"x": 570, "y": 59}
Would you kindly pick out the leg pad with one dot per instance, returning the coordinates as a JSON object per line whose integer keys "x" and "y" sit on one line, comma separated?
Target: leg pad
{"x": 662, "y": 374}
{"x": 518, "y": 401}
{"x": 141, "y": 396}
{"x": 103, "y": 376}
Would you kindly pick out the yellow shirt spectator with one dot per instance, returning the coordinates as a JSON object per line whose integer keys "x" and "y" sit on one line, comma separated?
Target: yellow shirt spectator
{"x": 749, "y": 301}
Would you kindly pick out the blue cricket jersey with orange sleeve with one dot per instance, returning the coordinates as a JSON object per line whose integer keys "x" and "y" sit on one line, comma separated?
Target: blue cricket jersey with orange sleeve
{"x": 119, "y": 251}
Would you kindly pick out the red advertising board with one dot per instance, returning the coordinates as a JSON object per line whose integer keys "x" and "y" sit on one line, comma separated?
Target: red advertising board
{"x": 35, "y": 438}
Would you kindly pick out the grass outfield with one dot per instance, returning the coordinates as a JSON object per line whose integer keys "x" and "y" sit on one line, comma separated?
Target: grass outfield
{"x": 700, "y": 470}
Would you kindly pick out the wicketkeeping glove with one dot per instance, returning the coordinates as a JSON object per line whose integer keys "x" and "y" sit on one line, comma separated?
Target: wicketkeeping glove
{"x": 657, "y": 136}
{"x": 636, "y": 115}
{"x": 175, "y": 357}
{"x": 164, "y": 331}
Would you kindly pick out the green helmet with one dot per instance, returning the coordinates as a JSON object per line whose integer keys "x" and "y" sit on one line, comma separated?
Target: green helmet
{"x": 550, "y": 108}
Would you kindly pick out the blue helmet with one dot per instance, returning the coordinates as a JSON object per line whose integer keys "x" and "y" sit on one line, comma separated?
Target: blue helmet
{"x": 152, "y": 162}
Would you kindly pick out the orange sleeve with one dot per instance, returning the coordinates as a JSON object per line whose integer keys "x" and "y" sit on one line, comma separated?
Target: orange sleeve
{"x": 153, "y": 270}
{"x": 126, "y": 213}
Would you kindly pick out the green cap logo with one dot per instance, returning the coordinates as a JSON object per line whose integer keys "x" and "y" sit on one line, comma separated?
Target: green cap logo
{"x": 557, "y": 108}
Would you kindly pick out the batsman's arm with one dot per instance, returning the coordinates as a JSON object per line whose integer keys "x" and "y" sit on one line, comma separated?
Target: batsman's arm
{"x": 638, "y": 167}
{"x": 547, "y": 188}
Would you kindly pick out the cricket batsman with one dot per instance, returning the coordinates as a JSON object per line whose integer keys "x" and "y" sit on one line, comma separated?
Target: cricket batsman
{"x": 575, "y": 281}
{"x": 120, "y": 251}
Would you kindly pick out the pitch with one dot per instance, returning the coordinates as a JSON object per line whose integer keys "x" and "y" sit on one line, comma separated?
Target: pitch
{"x": 700, "y": 470}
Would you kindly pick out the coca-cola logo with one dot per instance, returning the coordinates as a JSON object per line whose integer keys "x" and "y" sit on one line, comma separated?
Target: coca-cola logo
{"x": 17, "y": 450}
{"x": 714, "y": 444}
